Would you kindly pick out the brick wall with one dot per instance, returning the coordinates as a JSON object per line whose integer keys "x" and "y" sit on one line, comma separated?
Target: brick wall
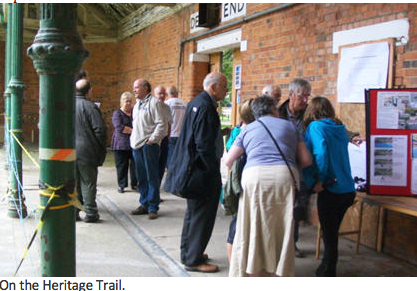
{"x": 294, "y": 42}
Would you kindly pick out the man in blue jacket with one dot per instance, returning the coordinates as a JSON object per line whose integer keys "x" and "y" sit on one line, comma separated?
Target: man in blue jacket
{"x": 194, "y": 172}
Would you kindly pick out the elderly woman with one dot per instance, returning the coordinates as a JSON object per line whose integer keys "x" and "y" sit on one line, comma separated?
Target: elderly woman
{"x": 264, "y": 240}
{"x": 120, "y": 142}
{"x": 327, "y": 139}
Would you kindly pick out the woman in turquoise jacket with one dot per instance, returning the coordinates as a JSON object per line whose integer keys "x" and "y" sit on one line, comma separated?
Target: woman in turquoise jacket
{"x": 329, "y": 175}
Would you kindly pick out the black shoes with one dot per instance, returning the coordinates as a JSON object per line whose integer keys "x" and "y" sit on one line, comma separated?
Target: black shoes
{"x": 139, "y": 211}
{"x": 120, "y": 190}
{"x": 91, "y": 218}
{"x": 298, "y": 253}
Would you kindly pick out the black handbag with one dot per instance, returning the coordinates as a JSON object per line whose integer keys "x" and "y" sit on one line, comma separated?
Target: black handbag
{"x": 299, "y": 212}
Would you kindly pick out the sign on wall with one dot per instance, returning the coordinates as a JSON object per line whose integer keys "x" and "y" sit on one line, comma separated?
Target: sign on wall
{"x": 194, "y": 23}
{"x": 233, "y": 10}
{"x": 238, "y": 76}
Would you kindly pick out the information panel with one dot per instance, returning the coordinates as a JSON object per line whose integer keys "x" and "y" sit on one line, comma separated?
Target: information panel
{"x": 391, "y": 131}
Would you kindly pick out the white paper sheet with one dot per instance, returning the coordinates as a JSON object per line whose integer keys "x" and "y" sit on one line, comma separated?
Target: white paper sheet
{"x": 414, "y": 177}
{"x": 362, "y": 67}
{"x": 357, "y": 160}
{"x": 389, "y": 160}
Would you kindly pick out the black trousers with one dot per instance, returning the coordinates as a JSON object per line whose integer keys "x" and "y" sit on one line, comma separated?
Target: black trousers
{"x": 198, "y": 224}
{"x": 331, "y": 208}
{"x": 122, "y": 160}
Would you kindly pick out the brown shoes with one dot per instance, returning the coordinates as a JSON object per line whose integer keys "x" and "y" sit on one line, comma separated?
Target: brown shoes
{"x": 153, "y": 215}
{"x": 139, "y": 211}
{"x": 204, "y": 268}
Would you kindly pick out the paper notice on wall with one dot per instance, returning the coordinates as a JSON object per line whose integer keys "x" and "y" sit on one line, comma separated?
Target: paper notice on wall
{"x": 362, "y": 67}
{"x": 414, "y": 177}
{"x": 389, "y": 160}
{"x": 396, "y": 110}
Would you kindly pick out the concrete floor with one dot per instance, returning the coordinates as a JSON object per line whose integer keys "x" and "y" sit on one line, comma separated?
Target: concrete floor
{"x": 122, "y": 245}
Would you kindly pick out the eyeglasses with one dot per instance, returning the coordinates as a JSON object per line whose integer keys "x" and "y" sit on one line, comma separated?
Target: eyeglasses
{"x": 304, "y": 96}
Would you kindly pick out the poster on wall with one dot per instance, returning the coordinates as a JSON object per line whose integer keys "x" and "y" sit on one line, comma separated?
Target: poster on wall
{"x": 397, "y": 110}
{"x": 362, "y": 67}
{"x": 389, "y": 160}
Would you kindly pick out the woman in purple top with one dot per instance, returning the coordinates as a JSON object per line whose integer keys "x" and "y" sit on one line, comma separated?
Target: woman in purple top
{"x": 120, "y": 142}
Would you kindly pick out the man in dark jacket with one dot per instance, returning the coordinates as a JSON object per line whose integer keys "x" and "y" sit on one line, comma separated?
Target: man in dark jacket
{"x": 90, "y": 144}
{"x": 194, "y": 172}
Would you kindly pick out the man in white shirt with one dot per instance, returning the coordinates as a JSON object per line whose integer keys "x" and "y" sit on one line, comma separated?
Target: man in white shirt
{"x": 150, "y": 126}
{"x": 177, "y": 107}
{"x": 161, "y": 94}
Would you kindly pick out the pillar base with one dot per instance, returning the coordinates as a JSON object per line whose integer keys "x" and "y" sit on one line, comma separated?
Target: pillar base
{"x": 16, "y": 208}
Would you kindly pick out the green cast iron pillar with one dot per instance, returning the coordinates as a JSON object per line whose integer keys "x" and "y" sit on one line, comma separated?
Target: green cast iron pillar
{"x": 16, "y": 203}
{"x": 57, "y": 53}
{"x": 6, "y": 83}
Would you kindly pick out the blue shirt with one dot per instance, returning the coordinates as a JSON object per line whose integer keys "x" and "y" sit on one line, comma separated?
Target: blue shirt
{"x": 259, "y": 147}
{"x": 328, "y": 142}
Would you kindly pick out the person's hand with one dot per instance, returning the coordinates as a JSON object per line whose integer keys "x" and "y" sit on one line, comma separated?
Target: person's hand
{"x": 357, "y": 140}
{"x": 148, "y": 142}
{"x": 318, "y": 187}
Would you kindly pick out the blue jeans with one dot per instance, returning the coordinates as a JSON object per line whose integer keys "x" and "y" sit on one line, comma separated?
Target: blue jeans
{"x": 171, "y": 145}
{"x": 147, "y": 172}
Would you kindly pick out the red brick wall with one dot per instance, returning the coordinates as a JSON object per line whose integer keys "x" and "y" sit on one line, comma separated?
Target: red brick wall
{"x": 294, "y": 42}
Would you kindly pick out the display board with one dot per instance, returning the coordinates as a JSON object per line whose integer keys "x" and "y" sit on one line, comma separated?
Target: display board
{"x": 391, "y": 135}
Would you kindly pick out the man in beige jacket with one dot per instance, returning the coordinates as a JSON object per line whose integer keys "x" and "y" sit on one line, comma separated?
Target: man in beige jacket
{"x": 150, "y": 126}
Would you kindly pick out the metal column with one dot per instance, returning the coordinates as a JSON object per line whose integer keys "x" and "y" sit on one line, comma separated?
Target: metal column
{"x": 57, "y": 54}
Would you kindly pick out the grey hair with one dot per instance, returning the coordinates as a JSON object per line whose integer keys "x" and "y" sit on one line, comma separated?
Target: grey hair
{"x": 298, "y": 84}
{"x": 172, "y": 90}
{"x": 261, "y": 106}
{"x": 267, "y": 90}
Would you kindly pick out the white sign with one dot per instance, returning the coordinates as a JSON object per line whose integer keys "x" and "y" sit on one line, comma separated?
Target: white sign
{"x": 238, "y": 77}
{"x": 194, "y": 23}
{"x": 233, "y": 10}
{"x": 362, "y": 67}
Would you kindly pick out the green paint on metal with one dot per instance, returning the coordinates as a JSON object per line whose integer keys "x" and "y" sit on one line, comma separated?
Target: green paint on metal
{"x": 57, "y": 53}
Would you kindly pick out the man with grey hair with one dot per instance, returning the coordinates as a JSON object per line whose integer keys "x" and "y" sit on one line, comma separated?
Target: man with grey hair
{"x": 194, "y": 171}
{"x": 149, "y": 128}
{"x": 293, "y": 110}
{"x": 273, "y": 91}
{"x": 177, "y": 107}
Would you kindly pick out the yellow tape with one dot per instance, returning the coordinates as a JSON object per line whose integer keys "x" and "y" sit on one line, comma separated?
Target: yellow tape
{"x": 30, "y": 157}
{"x": 47, "y": 192}
{"x": 16, "y": 130}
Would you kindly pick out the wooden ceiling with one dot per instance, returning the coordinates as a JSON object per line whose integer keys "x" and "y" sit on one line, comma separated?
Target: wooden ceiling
{"x": 104, "y": 22}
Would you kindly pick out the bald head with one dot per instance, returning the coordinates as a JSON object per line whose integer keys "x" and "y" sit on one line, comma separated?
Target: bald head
{"x": 82, "y": 87}
{"x": 160, "y": 93}
{"x": 273, "y": 91}
{"x": 141, "y": 88}
{"x": 216, "y": 85}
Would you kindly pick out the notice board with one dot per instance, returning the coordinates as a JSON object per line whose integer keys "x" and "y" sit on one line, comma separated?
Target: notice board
{"x": 391, "y": 134}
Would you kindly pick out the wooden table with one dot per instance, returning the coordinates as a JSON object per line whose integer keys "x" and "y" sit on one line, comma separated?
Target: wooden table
{"x": 401, "y": 204}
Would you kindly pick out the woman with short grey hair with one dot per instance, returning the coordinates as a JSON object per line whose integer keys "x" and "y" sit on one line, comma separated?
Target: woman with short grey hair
{"x": 264, "y": 241}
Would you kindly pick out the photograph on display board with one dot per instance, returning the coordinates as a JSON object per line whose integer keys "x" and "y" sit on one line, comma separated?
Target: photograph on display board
{"x": 397, "y": 110}
{"x": 389, "y": 160}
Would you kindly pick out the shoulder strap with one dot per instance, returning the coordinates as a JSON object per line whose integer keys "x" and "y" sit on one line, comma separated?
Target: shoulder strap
{"x": 280, "y": 151}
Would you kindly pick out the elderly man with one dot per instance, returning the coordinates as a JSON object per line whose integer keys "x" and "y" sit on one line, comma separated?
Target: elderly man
{"x": 273, "y": 91}
{"x": 293, "y": 110}
{"x": 90, "y": 145}
{"x": 161, "y": 94}
{"x": 194, "y": 172}
{"x": 177, "y": 107}
{"x": 149, "y": 128}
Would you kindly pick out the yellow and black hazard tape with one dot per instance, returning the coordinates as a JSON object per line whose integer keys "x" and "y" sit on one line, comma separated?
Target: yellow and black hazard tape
{"x": 51, "y": 192}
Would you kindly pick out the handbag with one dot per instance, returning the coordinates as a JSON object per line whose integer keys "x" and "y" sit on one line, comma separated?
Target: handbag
{"x": 299, "y": 213}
